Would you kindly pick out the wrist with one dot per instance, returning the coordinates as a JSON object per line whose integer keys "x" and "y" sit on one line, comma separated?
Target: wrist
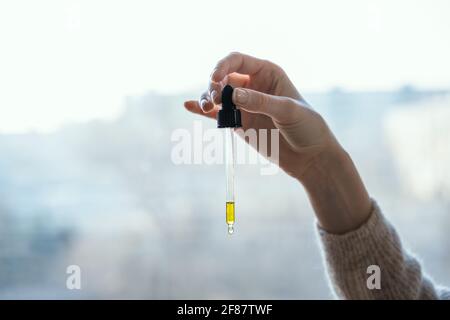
{"x": 336, "y": 191}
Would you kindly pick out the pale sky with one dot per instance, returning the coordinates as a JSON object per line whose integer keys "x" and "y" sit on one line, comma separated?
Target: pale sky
{"x": 68, "y": 61}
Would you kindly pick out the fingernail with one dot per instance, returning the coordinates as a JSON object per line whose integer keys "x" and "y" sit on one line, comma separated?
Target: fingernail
{"x": 214, "y": 95}
{"x": 240, "y": 96}
{"x": 213, "y": 74}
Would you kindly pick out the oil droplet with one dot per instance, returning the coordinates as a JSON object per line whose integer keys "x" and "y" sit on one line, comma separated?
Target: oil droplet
{"x": 230, "y": 229}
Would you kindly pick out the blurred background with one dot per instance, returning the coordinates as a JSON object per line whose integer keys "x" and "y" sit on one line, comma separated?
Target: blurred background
{"x": 91, "y": 91}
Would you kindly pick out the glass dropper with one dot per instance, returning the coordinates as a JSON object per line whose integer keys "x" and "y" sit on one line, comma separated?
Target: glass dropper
{"x": 229, "y": 118}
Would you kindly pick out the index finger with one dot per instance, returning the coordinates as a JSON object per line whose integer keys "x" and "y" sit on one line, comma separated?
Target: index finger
{"x": 236, "y": 62}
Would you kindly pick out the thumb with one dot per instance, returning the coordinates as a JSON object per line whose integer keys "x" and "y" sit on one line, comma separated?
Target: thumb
{"x": 280, "y": 109}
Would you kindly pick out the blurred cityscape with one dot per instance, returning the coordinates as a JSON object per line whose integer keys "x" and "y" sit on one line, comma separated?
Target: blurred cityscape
{"x": 105, "y": 195}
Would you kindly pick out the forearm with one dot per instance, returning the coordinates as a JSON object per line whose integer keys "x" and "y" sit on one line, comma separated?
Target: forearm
{"x": 336, "y": 192}
{"x": 355, "y": 235}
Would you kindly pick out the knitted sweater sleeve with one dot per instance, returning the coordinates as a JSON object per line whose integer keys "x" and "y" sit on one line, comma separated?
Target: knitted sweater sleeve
{"x": 354, "y": 261}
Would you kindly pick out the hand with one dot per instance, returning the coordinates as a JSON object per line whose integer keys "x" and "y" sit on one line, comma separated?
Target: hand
{"x": 269, "y": 100}
{"x": 308, "y": 151}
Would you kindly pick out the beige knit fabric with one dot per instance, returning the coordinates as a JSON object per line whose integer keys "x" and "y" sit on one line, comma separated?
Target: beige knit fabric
{"x": 375, "y": 243}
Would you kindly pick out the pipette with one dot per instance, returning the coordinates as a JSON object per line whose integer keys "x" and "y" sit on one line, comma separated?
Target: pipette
{"x": 229, "y": 118}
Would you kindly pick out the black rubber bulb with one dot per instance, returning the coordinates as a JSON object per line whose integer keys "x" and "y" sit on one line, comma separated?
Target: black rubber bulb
{"x": 229, "y": 116}
{"x": 227, "y": 98}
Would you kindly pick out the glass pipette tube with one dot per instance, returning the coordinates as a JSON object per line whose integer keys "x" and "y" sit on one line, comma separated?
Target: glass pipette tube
{"x": 229, "y": 171}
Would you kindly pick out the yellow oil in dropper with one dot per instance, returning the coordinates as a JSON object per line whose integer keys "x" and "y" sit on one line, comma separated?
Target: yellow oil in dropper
{"x": 230, "y": 216}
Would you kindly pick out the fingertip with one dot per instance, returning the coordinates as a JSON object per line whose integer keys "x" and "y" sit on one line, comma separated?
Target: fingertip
{"x": 240, "y": 97}
{"x": 215, "y": 96}
{"x": 207, "y": 106}
{"x": 214, "y": 90}
{"x": 190, "y": 104}
{"x": 216, "y": 75}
